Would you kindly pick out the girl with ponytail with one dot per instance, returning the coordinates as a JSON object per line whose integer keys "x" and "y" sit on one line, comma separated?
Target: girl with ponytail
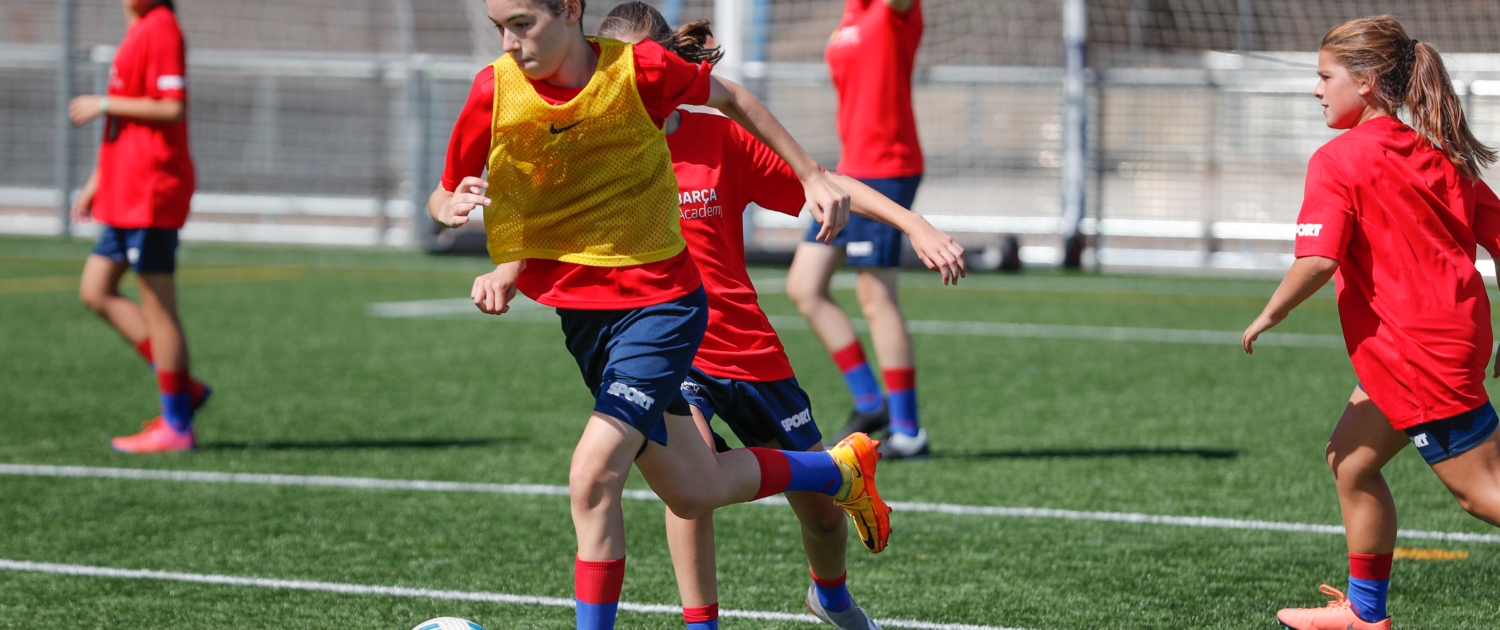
{"x": 1394, "y": 213}
{"x": 741, "y": 372}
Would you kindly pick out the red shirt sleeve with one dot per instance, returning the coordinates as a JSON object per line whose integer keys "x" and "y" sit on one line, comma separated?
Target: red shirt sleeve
{"x": 771, "y": 183}
{"x": 1327, "y": 216}
{"x": 666, "y": 81}
{"x": 1487, "y": 219}
{"x": 469, "y": 148}
{"x": 166, "y": 76}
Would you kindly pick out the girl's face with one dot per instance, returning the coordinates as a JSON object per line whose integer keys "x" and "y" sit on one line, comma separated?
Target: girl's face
{"x": 1346, "y": 100}
{"x": 537, "y": 40}
{"x": 134, "y": 8}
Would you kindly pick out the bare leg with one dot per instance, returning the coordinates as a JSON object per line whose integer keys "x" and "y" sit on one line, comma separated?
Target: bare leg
{"x": 692, "y": 546}
{"x": 99, "y": 289}
{"x": 690, "y": 477}
{"x": 1361, "y": 445}
{"x": 159, "y": 308}
{"x": 1474, "y": 479}
{"x": 807, "y": 285}
{"x": 596, "y": 481}
{"x": 877, "y": 298}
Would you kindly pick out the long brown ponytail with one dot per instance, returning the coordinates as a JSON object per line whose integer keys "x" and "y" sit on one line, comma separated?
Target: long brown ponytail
{"x": 634, "y": 20}
{"x": 1409, "y": 74}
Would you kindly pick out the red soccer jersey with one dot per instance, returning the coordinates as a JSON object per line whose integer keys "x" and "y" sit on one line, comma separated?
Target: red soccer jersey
{"x": 870, "y": 57}
{"x": 664, "y": 81}
{"x": 1403, "y": 224}
{"x": 720, "y": 169}
{"x": 146, "y": 177}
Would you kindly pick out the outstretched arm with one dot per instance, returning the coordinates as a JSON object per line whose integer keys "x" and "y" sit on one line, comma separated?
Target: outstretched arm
{"x": 90, "y": 106}
{"x": 829, "y": 203}
{"x": 936, "y": 249}
{"x": 1306, "y": 276}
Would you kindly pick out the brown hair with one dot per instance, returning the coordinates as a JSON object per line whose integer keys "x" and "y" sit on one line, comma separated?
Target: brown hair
{"x": 638, "y": 19}
{"x": 555, "y": 7}
{"x": 1408, "y": 73}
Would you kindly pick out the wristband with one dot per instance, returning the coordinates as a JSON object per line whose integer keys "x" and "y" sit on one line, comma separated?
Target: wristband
{"x": 104, "y": 104}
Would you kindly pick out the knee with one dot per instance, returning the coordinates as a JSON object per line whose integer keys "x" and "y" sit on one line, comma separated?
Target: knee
{"x": 1484, "y": 506}
{"x": 688, "y": 506}
{"x": 806, "y": 295}
{"x": 589, "y": 485}
{"x": 92, "y": 297}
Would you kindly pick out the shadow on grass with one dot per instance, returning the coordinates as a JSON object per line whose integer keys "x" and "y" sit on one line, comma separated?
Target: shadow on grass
{"x": 1205, "y": 453}
{"x": 354, "y": 444}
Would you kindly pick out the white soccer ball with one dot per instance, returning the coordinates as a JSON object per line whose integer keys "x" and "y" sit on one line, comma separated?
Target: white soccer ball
{"x": 448, "y": 623}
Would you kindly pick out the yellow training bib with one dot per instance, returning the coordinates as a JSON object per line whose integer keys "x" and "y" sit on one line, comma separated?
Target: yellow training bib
{"x": 589, "y": 181}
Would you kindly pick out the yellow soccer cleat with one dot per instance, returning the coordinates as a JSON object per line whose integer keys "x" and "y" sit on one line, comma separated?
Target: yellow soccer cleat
{"x": 856, "y": 456}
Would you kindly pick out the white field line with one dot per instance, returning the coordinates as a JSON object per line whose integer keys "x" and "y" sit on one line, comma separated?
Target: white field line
{"x": 647, "y": 495}
{"x": 400, "y": 591}
{"x": 464, "y": 307}
{"x": 1093, "y": 333}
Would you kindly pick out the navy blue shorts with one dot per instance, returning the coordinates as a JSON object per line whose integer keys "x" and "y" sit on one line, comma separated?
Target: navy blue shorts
{"x": 757, "y": 412}
{"x": 1441, "y": 439}
{"x": 634, "y": 360}
{"x": 149, "y": 250}
{"x": 867, "y": 242}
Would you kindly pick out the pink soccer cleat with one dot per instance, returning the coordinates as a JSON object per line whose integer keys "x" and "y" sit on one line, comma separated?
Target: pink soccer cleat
{"x": 1337, "y": 615}
{"x": 159, "y": 437}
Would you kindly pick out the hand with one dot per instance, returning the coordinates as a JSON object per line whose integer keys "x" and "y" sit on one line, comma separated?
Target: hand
{"x": 83, "y": 207}
{"x": 1260, "y": 325}
{"x": 84, "y": 108}
{"x": 465, "y": 199}
{"x": 829, "y": 205}
{"x": 493, "y": 291}
{"x": 940, "y": 253}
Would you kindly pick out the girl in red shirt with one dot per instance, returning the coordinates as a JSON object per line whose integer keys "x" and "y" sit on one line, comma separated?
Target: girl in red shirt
{"x": 632, "y": 327}
{"x": 741, "y": 372}
{"x": 140, "y": 193}
{"x": 1393, "y": 214}
{"x": 870, "y": 59}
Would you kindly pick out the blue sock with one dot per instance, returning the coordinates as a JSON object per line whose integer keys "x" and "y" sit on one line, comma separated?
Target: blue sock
{"x": 176, "y": 399}
{"x": 833, "y": 595}
{"x": 711, "y": 624}
{"x": 859, "y": 377}
{"x": 813, "y": 471}
{"x": 1368, "y": 597}
{"x": 902, "y": 383}
{"x": 596, "y": 616}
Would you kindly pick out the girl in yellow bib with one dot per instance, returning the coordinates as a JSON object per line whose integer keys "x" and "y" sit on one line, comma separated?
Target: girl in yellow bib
{"x": 580, "y": 208}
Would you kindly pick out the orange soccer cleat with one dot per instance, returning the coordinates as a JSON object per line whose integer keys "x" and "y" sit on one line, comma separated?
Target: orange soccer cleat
{"x": 1337, "y": 615}
{"x": 856, "y": 456}
{"x": 159, "y": 437}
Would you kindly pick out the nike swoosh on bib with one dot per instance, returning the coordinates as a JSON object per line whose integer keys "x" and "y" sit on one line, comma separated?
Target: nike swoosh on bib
{"x": 556, "y": 131}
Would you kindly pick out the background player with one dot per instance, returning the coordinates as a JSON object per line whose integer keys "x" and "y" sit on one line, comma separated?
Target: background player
{"x": 582, "y": 216}
{"x": 741, "y": 372}
{"x": 1393, "y": 215}
{"x": 870, "y": 57}
{"x": 140, "y": 192}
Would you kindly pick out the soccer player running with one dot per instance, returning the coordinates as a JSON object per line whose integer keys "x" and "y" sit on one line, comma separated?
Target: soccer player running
{"x": 870, "y": 57}
{"x": 741, "y": 372}
{"x": 140, "y": 192}
{"x": 580, "y": 209}
{"x": 1393, "y": 213}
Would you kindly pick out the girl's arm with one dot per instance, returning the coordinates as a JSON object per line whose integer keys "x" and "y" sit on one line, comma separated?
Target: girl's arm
{"x": 83, "y": 206}
{"x": 493, "y": 291}
{"x": 936, "y": 249}
{"x": 452, "y": 208}
{"x": 829, "y": 203}
{"x": 1306, "y": 276}
{"x": 90, "y": 106}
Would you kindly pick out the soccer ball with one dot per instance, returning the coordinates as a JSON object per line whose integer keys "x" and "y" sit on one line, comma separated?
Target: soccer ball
{"x": 448, "y": 623}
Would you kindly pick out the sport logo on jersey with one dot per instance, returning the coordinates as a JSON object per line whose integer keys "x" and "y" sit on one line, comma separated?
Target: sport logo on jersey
{"x": 796, "y": 421}
{"x": 1309, "y": 229}
{"x": 631, "y": 394}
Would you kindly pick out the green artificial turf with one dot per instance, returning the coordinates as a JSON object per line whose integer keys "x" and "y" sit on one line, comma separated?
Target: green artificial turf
{"x": 308, "y": 383}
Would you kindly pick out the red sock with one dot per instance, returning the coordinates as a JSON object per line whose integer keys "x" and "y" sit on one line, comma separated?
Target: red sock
{"x": 144, "y": 349}
{"x": 1370, "y": 566}
{"x": 173, "y": 381}
{"x": 700, "y": 614}
{"x": 775, "y": 471}
{"x": 598, "y": 582}
{"x": 850, "y": 357}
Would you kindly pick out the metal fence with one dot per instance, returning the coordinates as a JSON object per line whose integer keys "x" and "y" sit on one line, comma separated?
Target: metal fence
{"x": 326, "y": 121}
